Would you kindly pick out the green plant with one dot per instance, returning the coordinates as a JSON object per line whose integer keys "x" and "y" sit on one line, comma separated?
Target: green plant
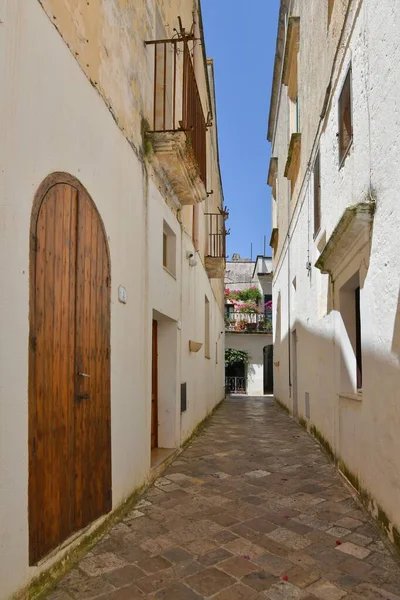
{"x": 251, "y": 294}
{"x": 234, "y": 358}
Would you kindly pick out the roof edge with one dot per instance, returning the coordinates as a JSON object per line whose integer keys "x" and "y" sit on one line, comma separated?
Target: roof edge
{"x": 276, "y": 80}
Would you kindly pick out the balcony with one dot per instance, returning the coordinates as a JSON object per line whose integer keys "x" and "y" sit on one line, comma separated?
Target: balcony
{"x": 236, "y": 322}
{"x": 178, "y": 129}
{"x": 215, "y": 259}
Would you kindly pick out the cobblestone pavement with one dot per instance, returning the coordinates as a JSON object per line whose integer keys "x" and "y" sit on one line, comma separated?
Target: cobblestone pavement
{"x": 251, "y": 510}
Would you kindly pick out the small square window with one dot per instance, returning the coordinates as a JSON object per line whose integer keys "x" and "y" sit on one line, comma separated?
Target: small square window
{"x": 345, "y": 119}
{"x": 169, "y": 249}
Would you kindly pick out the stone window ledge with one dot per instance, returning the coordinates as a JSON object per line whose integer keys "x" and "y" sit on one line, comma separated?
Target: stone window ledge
{"x": 356, "y": 397}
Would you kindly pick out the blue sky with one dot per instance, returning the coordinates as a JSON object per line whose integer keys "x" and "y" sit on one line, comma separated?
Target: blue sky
{"x": 242, "y": 44}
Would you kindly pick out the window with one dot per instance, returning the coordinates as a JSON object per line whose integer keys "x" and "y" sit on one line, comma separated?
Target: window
{"x": 169, "y": 249}
{"x": 268, "y": 305}
{"x": 165, "y": 245}
{"x": 351, "y": 345}
{"x": 317, "y": 194}
{"x": 229, "y": 310}
{"x": 358, "y": 338}
{"x": 207, "y": 328}
{"x": 294, "y": 115}
{"x": 345, "y": 119}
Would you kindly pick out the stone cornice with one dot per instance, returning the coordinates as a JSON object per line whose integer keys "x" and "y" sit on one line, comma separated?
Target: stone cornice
{"x": 351, "y": 234}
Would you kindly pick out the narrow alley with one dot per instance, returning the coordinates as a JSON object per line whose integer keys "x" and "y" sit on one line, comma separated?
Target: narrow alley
{"x": 251, "y": 509}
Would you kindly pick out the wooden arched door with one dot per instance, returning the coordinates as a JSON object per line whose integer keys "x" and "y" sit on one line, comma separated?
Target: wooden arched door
{"x": 69, "y": 365}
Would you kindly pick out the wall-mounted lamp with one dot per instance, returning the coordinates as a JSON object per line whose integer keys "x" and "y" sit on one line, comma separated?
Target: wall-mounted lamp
{"x": 191, "y": 258}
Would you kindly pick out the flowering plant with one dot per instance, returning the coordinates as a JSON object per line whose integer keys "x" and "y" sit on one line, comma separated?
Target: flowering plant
{"x": 251, "y": 294}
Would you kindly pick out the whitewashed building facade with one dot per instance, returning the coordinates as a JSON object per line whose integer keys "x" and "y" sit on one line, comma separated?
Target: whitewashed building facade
{"x": 249, "y": 331}
{"x": 112, "y": 255}
{"x": 334, "y": 126}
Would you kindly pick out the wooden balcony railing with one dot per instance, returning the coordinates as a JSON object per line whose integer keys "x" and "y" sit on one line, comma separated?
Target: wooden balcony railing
{"x": 176, "y": 102}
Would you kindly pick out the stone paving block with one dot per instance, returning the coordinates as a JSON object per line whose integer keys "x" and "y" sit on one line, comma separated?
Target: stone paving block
{"x": 125, "y": 576}
{"x": 214, "y": 557}
{"x": 125, "y": 593}
{"x": 102, "y": 563}
{"x": 285, "y": 591}
{"x": 289, "y": 539}
{"x": 154, "y": 564}
{"x": 354, "y": 550}
{"x": 338, "y": 532}
{"x": 261, "y": 525}
{"x": 200, "y": 546}
{"x": 179, "y": 591}
{"x": 203, "y": 528}
{"x": 177, "y": 555}
{"x": 301, "y": 577}
{"x": 273, "y": 564}
{"x": 257, "y": 474}
{"x": 349, "y": 523}
{"x": 58, "y": 595}
{"x": 86, "y": 589}
{"x": 210, "y": 581}
{"x": 244, "y": 547}
{"x": 237, "y": 592}
{"x": 360, "y": 540}
{"x": 238, "y": 566}
{"x": 366, "y": 591}
{"x": 259, "y": 580}
{"x": 326, "y": 591}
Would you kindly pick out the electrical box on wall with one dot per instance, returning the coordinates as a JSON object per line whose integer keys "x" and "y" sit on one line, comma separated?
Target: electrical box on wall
{"x": 183, "y": 397}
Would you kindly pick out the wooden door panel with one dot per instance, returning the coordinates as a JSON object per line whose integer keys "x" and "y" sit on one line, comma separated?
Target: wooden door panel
{"x": 154, "y": 388}
{"x": 92, "y": 403}
{"x": 52, "y": 383}
{"x": 69, "y": 414}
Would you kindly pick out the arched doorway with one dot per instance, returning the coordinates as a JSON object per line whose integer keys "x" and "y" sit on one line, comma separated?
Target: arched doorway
{"x": 69, "y": 365}
{"x": 268, "y": 369}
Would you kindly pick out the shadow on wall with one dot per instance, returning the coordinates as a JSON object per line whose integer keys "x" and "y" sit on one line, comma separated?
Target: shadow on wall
{"x": 360, "y": 431}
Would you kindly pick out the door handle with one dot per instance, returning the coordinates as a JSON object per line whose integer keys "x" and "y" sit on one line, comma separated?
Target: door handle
{"x": 82, "y": 397}
{"x": 84, "y": 374}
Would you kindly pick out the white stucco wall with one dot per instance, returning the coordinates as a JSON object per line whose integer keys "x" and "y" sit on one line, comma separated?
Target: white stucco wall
{"x": 253, "y": 343}
{"x": 364, "y": 431}
{"x": 52, "y": 119}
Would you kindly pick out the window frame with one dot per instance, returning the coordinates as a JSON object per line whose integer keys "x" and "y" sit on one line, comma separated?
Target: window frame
{"x": 343, "y": 153}
{"x": 169, "y": 250}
